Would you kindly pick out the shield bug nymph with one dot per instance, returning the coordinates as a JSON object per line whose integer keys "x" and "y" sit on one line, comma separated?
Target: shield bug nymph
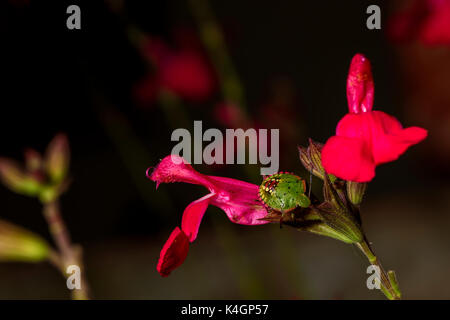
{"x": 283, "y": 192}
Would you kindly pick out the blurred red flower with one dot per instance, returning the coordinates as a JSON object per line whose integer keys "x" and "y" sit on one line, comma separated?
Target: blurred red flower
{"x": 427, "y": 20}
{"x": 365, "y": 138}
{"x": 184, "y": 72}
{"x": 238, "y": 199}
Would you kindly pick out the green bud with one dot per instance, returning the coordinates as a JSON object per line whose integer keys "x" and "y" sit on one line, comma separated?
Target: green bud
{"x": 33, "y": 160}
{"x": 19, "y": 244}
{"x": 311, "y": 158}
{"x": 16, "y": 179}
{"x": 57, "y": 158}
{"x": 355, "y": 192}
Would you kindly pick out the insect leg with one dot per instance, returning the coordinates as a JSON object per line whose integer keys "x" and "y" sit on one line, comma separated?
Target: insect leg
{"x": 281, "y": 218}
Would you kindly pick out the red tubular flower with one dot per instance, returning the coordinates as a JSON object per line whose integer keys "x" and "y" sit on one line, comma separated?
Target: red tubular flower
{"x": 365, "y": 138}
{"x": 428, "y": 20}
{"x": 238, "y": 199}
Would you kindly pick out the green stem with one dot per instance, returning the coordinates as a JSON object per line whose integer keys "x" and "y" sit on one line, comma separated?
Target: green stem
{"x": 68, "y": 254}
{"x": 214, "y": 42}
{"x": 389, "y": 283}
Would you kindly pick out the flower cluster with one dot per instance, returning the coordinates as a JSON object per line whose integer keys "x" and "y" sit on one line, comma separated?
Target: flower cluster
{"x": 365, "y": 138}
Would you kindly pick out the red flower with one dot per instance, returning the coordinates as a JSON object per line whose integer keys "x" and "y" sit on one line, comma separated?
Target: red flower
{"x": 238, "y": 199}
{"x": 365, "y": 138}
{"x": 183, "y": 72}
{"x": 428, "y": 20}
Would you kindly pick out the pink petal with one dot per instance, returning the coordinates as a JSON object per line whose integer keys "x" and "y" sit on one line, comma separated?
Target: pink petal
{"x": 389, "y": 139}
{"x": 173, "y": 253}
{"x": 348, "y": 158}
{"x": 239, "y": 200}
{"x": 360, "y": 87}
{"x": 192, "y": 216}
{"x": 176, "y": 169}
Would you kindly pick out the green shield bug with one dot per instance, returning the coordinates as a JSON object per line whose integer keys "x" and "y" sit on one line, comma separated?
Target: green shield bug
{"x": 283, "y": 192}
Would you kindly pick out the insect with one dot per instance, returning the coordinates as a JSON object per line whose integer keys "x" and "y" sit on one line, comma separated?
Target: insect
{"x": 283, "y": 192}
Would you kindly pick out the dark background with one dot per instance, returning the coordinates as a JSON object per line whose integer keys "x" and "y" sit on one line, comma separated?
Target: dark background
{"x": 80, "y": 82}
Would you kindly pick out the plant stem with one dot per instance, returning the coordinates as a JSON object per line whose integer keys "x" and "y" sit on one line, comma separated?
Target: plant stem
{"x": 214, "y": 42}
{"x": 68, "y": 254}
{"x": 389, "y": 284}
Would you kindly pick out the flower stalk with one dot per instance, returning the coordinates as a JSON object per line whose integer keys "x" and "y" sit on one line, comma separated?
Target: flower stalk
{"x": 389, "y": 283}
{"x": 68, "y": 254}
{"x": 338, "y": 216}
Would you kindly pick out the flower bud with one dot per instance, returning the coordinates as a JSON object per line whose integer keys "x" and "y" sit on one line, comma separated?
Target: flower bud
{"x": 311, "y": 159}
{"x": 19, "y": 244}
{"x": 16, "y": 179}
{"x": 355, "y": 191}
{"x": 33, "y": 160}
{"x": 308, "y": 163}
{"x": 57, "y": 158}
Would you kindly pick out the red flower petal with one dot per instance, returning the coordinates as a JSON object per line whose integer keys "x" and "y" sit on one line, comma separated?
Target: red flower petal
{"x": 348, "y": 158}
{"x": 173, "y": 253}
{"x": 192, "y": 216}
{"x": 389, "y": 139}
{"x": 175, "y": 169}
{"x": 372, "y": 138}
{"x": 360, "y": 88}
{"x": 355, "y": 126}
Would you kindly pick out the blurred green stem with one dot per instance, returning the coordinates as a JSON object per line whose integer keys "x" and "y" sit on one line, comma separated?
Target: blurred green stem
{"x": 68, "y": 254}
{"x": 214, "y": 42}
